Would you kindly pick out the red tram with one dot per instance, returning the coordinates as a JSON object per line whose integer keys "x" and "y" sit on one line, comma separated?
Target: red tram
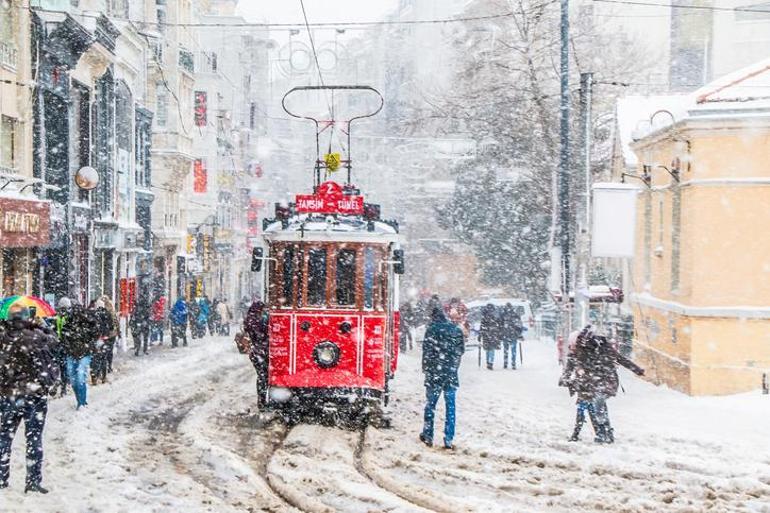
{"x": 331, "y": 286}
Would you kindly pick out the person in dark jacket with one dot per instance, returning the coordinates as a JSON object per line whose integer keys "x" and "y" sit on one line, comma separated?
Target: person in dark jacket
{"x": 28, "y": 374}
{"x": 255, "y": 325}
{"x": 62, "y": 312}
{"x": 511, "y": 330}
{"x": 489, "y": 333}
{"x": 140, "y": 325}
{"x": 591, "y": 373}
{"x": 79, "y": 336}
{"x": 194, "y": 311}
{"x": 108, "y": 328}
{"x": 207, "y": 316}
{"x": 178, "y": 320}
{"x": 442, "y": 350}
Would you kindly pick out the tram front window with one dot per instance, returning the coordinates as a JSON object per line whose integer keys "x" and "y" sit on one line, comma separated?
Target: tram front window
{"x": 346, "y": 277}
{"x": 316, "y": 277}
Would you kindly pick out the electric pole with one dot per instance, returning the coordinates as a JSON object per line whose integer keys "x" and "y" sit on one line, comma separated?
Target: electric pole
{"x": 583, "y": 224}
{"x": 564, "y": 164}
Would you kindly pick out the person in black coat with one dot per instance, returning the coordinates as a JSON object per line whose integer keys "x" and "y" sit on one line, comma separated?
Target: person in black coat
{"x": 591, "y": 373}
{"x": 255, "y": 325}
{"x": 28, "y": 374}
{"x": 511, "y": 329}
{"x": 489, "y": 333}
{"x": 79, "y": 336}
{"x": 442, "y": 350}
{"x": 140, "y": 325}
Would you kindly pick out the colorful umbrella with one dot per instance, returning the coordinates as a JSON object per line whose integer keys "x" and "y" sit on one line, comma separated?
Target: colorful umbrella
{"x": 43, "y": 309}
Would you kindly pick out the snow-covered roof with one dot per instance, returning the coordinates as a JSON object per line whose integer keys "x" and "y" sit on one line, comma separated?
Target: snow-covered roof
{"x": 748, "y": 84}
{"x": 632, "y": 114}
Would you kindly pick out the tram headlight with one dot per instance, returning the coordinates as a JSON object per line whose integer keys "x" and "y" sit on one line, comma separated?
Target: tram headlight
{"x": 326, "y": 354}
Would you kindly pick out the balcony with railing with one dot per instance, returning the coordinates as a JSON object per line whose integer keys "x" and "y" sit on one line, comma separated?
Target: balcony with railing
{"x": 9, "y": 56}
{"x": 186, "y": 60}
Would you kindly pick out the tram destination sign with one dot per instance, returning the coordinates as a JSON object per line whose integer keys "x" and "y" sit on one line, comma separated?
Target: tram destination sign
{"x": 329, "y": 199}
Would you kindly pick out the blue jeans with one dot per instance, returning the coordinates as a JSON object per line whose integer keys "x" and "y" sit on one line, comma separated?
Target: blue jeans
{"x": 490, "y": 357}
{"x": 514, "y": 345}
{"x": 77, "y": 371}
{"x": 432, "y": 396}
{"x": 32, "y": 410}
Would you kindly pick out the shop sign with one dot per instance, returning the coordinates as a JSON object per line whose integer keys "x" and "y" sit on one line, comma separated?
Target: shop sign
{"x": 24, "y": 223}
{"x": 80, "y": 219}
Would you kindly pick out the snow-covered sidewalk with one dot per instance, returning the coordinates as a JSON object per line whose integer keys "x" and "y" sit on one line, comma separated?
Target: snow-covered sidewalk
{"x": 177, "y": 432}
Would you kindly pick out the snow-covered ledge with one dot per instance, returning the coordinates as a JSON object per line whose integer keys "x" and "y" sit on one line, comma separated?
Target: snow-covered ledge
{"x": 732, "y": 312}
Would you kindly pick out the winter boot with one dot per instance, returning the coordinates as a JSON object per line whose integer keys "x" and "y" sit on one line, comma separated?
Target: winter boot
{"x": 605, "y": 434}
{"x": 489, "y": 366}
{"x": 580, "y": 419}
{"x": 3, "y": 484}
{"x": 427, "y": 441}
{"x": 35, "y": 488}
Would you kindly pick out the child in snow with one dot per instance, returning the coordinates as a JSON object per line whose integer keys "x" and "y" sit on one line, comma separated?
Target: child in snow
{"x": 591, "y": 373}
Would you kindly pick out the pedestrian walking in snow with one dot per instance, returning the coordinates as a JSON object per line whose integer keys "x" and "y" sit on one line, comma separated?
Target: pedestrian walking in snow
{"x": 194, "y": 311}
{"x": 457, "y": 312}
{"x": 28, "y": 374}
{"x": 140, "y": 325}
{"x": 78, "y": 335}
{"x": 203, "y": 317}
{"x": 107, "y": 333}
{"x": 442, "y": 351}
{"x": 60, "y": 355}
{"x": 208, "y": 316}
{"x": 406, "y": 318}
{"x": 224, "y": 317}
{"x": 489, "y": 333}
{"x": 158, "y": 319}
{"x": 178, "y": 320}
{"x": 255, "y": 325}
{"x": 511, "y": 329}
{"x": 591, "y": 373}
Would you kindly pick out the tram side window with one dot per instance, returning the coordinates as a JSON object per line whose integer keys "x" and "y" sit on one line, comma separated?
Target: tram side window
{"x": 370, "y": 269}
{"x": 316, "y": 277}
{"x": 346, "y": 277}
{"x": 288, "y": 276}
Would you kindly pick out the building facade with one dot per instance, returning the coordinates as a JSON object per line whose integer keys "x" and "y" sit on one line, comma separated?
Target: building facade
{"x": 701, "y": 272}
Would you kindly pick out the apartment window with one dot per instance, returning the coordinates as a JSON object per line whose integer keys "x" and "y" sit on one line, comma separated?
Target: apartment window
{"x": 6, "y": 22}
{"x": 660, "y": 223}
{"x": 8, "y": 143}
{"x": 118, "y": 8}
{"x": 213, "y": 61}
{"x": 647, "y": 237}
{"x": 160, "y": 13}
{"x": 161, "y": 104}
{"x": 676, "y": 234}
{"x": 253, "y": 115}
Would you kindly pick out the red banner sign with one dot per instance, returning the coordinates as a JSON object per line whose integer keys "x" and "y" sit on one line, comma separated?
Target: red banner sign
{"x": 24, "y": 223}
{"x": 200, "y": 178}
{"x": 329, "y": 199}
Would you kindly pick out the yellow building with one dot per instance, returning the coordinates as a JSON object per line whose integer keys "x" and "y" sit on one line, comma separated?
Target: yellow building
{"x": 701, "y": 273}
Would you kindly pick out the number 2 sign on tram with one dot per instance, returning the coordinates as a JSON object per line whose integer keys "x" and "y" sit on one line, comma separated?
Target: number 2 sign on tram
{"x": 331, "y": 288}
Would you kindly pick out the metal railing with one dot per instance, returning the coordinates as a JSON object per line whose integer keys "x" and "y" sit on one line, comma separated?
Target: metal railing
{"x": 9, "y": 56}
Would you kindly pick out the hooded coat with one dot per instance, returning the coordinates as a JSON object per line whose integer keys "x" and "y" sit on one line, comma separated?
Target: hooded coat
{"x": 256, "y": 326}
{"x": 489, "y": 330}
{"x": 78, "y": 333}
{"x": 591, "y": 369}
{"x": 442, "y": 350}
{"x": 178, "y": 314}
{"x": 27, "y": 364}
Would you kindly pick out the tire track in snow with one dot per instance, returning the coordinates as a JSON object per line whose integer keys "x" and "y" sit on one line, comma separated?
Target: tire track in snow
{"x": 325, "y": 469}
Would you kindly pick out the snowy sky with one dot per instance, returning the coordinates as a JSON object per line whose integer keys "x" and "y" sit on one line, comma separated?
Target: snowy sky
{"x": 317, "y": 10}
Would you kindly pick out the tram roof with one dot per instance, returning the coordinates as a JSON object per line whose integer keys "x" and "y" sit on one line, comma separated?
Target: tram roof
{"x": 331, "y": 228}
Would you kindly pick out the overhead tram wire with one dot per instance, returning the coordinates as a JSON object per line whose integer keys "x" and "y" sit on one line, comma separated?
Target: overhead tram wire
{"x": 686, "y": 6}
{"x": 330, "y": 104}
{"x": 320, "y": 25}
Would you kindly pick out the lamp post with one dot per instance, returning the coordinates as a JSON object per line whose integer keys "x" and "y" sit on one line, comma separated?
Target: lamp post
{"x": 87, "y": 179}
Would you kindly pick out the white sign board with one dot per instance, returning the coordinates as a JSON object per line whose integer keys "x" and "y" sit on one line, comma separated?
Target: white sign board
{"x": 613, "y": 232}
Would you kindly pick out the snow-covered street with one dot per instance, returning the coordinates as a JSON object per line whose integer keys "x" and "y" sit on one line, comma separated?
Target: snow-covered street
{"x": 177, "y": 431}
